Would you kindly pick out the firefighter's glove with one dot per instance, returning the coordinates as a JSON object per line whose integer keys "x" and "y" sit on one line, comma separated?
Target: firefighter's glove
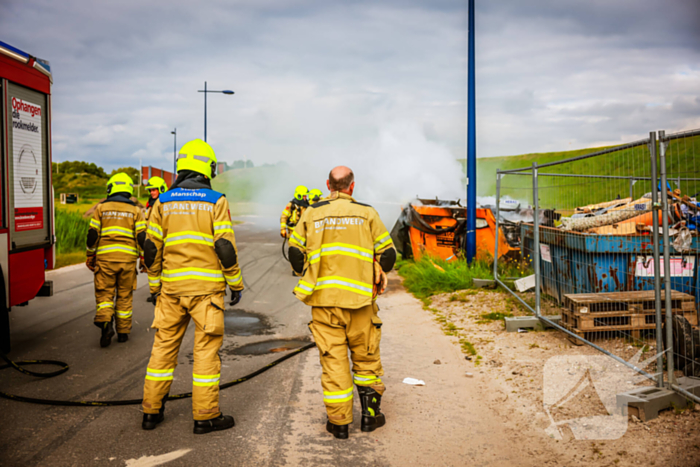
{"x": 283, "y": 233}
{"x": 380, "y": 280}
{"x": 91, "y": 262}
{"x": 142, "y": 266}
{"x": 154, "y": 298}
{"x": 235, "y": 297}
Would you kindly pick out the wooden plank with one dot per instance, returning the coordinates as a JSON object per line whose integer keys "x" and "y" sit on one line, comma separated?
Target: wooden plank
{"x": 615, "y": 328}
{"x": 602, "y": 314}
{"x": 632, "y": 296}
{"x": 597, "y": 321}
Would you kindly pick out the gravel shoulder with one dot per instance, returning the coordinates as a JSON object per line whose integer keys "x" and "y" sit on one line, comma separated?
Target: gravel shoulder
{"x": 514, "y": 364}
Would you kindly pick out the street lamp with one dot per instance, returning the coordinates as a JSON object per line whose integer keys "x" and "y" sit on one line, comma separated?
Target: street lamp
{"x": 174, "y": 132}
{"x": 205, "y": 91}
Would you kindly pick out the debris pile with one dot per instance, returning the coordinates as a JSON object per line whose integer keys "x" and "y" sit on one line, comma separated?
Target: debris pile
{"x": 632, "y": 217}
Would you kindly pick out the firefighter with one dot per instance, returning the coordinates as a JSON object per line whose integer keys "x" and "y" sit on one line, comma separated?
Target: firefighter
{"x": 293, "y": 210}
{"x": 156, "y": 186}
{"x": 191, "y": 255}
{"x": 117, "y": 231}
{"x": 343, "y": 251}
{"x": 315, "y": 196}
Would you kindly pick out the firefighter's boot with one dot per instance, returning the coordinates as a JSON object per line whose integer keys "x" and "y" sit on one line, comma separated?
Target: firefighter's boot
{"x": 339, "y": 431}
{"x": 107, "y": 333}
{"x": 150, "y": 420}
{"x": 222, "y": 422}
{"x": 121, "y": 337}
{"x": 372, "y": 417}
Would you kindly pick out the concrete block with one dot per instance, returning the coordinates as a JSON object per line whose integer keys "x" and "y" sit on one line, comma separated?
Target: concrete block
{"x": 646, "y": 403}
{"x": 485, "y": 283}
{"x": 529, "y": 322}
{"x": 692, "y": 385}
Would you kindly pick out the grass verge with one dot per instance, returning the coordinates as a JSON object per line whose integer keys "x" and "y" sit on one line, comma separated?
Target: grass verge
{"x": 67, "y": 259}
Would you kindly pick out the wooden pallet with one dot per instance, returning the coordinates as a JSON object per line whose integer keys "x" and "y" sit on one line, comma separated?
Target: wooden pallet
{"x": 635, "y": 302}
{"x": 630, "y": 312}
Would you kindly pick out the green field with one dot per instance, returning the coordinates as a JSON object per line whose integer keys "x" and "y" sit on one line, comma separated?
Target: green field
{"x": 683, "y": 159}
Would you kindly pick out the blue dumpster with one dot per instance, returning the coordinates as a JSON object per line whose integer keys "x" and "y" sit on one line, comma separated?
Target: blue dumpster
{"x": 573, "y": 262}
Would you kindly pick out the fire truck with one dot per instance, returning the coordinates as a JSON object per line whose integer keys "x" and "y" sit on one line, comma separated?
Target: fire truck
{"x": 27, "y": 240}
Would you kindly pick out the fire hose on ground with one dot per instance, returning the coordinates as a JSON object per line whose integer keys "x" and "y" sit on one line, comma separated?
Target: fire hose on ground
{"x": 110, "y": 403}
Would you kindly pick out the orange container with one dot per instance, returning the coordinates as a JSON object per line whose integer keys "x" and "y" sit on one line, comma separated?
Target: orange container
{"x": 444, "y": 245}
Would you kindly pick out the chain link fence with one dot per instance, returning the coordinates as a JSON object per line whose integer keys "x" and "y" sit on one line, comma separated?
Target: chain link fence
{"x": 600, "y": 231}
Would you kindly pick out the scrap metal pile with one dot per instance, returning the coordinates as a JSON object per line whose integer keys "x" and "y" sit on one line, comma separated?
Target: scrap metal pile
{"x": 631, "y": 217}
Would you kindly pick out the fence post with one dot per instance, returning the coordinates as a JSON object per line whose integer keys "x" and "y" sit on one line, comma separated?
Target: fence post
{"x": 655, "y": 207}
{"x": 632, "y": 182}
{"x": 498, "y": 223}
{"x": 667, "y": 258}
{"x": 536, "y": 235}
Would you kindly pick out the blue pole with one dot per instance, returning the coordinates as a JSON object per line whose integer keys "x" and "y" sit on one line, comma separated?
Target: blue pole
{"x": 471, "y": 142}
{"x": 205, "y": 111}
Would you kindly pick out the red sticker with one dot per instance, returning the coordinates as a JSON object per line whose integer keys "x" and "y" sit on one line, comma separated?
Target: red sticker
{"x": 29, "y": 219}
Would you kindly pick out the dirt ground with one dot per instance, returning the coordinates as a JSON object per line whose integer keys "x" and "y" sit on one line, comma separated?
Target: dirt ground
{"x": 516, "y": 363}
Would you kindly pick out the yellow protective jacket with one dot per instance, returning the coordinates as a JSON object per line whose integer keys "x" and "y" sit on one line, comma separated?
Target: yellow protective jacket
{"x": 117, "y": 230}
{"x": 149, "y": 208}
{"x": 291, "y": 214}
{"x": 340, "y": 240}
{"x": 191, "y": 248}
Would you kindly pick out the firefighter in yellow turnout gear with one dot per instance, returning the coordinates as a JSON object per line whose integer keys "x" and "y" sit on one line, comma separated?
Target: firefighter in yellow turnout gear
{"x": 116, "y": 232}
{"x": 344, "y": 251}
{"x": 156, "y": 187}
{"x": 293, "y": 210}
{"x": 191, "y": 256}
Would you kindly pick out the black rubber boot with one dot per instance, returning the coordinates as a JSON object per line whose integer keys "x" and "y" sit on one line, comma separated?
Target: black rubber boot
{"x": 372, "y": 417}
{"x": 149, "y": 299}
{"x": 122, "y": 337}
{"x": 339, "y": 431}
{"x": 150, "y": 420}
{"x": 107, "y": 333}
{"x": 222, "y": 422}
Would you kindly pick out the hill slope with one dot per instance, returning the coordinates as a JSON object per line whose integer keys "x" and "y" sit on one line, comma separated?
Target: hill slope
{"x": 683, "y": 160}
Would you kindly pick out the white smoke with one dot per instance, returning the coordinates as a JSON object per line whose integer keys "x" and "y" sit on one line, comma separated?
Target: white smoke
{"x": 399, "y": 165}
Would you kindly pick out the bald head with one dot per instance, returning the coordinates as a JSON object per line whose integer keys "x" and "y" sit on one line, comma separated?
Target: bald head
{"x": 341, "y": 179}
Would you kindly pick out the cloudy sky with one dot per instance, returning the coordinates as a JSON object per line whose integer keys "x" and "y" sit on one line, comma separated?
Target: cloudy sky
{"x": 319, "y": 79}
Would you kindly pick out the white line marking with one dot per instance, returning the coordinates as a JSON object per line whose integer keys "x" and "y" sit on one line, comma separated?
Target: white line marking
{"x": 152, "y": 461}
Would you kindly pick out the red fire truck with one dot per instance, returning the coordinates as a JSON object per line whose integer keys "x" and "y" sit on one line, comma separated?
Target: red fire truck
{"x": 27, "y": 240}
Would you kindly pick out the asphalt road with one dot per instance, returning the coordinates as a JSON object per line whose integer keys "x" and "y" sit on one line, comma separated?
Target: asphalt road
{"x": 280, "y": 418}
{"x": 60, "y": 327}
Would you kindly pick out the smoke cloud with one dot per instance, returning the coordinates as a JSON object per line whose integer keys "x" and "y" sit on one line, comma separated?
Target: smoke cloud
{"x": 398, "y": 165}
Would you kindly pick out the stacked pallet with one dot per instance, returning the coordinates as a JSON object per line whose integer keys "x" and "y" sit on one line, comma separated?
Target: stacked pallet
{"x": 626, "y": 312}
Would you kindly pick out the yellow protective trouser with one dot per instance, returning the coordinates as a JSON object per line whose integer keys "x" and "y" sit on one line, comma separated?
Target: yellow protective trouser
{"x": 172, "y": 315}
{"x": 115, "y": 279}
{"x": 335, "y": 330}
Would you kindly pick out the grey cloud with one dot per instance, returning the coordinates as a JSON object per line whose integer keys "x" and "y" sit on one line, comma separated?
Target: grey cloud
{"x": 318, "y": 79}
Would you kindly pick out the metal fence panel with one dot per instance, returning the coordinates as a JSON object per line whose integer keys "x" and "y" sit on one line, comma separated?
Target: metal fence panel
{"x": 605, "y": 233}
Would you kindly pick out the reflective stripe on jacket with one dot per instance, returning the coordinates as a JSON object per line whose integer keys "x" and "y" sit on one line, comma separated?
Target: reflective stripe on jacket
{"x": 340, "y": 239}
{"x": 117, "y": 224}
{"x": 185, "y": 226}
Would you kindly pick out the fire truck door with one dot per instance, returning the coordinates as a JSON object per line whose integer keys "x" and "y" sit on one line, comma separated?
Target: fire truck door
{"x": 28, "y": 156}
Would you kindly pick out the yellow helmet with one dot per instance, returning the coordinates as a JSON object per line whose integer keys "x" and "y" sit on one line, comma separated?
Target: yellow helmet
{"x": 120, "y": 183}
{"x": 157, "y": 183}
{"x": 197, "y": 156}
{"x": 315, "y": 195}
{"x": 300, "y": 192}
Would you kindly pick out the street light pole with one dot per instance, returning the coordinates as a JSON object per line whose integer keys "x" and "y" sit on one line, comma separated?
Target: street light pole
{"x": 205, "y": 91}
{"x": 174, "y": 133}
